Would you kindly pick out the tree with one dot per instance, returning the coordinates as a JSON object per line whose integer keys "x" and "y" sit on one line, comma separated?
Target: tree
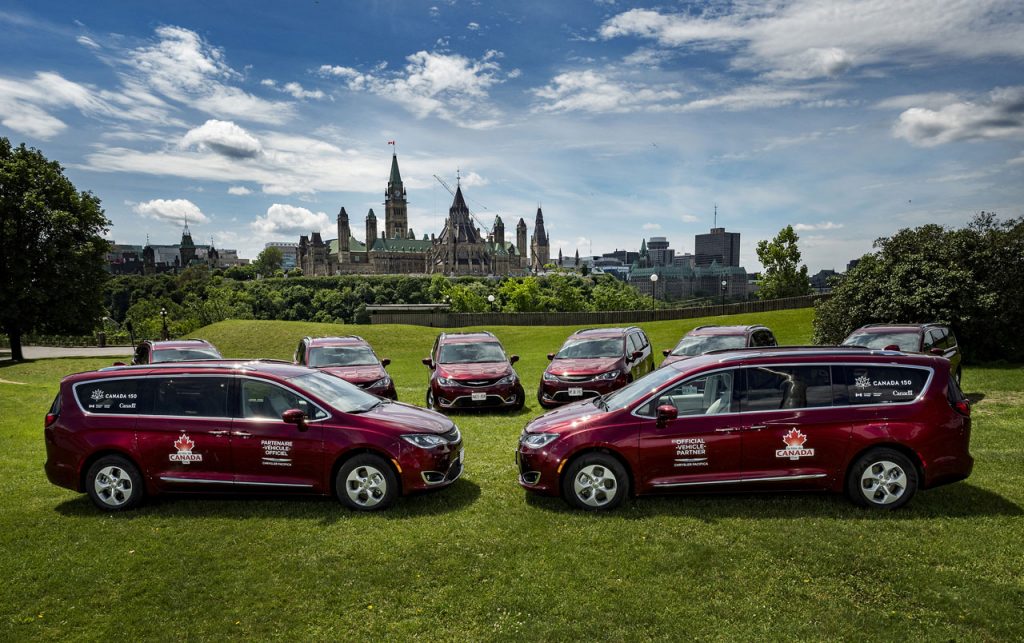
{"x": 269, "y": 261}
{"x": 51, "y": 249}
{"x": 783, "y": 275}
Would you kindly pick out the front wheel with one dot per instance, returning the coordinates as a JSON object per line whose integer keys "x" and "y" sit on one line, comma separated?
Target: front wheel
{"x": 595, "y": 481}
{"x": 882, "y": 479}
{"x": 114, "y": 484}
{"x": 366, "y": 482}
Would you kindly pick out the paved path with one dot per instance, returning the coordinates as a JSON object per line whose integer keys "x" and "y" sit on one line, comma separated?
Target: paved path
{"x": 44, "y": 352}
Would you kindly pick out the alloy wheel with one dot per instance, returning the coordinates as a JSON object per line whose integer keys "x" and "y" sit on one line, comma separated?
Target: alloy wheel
{"x": 595, "y": 485}
{"x": 366, "y": 486}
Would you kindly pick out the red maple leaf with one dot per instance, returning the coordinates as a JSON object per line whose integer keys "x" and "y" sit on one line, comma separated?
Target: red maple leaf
{"x": 794, "y": 439}
{"x": 184, "y": 443}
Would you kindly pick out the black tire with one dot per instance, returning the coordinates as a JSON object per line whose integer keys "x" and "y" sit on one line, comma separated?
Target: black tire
{"x": 596, "y": 494}
{"x": 520, "y": 399}
{"x": 430, "y": 400}
{"x": 114, "y": 484}
{"x": 882, "y": 479}
{"x": 360, "y": 479}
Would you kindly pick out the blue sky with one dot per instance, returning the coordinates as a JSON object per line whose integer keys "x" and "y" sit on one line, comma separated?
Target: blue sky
{"x": 258, "y": 121}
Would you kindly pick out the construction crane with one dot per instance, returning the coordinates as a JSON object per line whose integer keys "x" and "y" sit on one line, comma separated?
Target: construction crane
{"x": 483, "y": 226}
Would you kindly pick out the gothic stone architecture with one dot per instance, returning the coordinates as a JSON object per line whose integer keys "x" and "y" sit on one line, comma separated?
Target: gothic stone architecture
{"x": 460, "y": 249}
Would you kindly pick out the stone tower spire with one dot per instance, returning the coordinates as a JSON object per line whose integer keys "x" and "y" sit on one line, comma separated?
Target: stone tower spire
{"x": 371, "y": 229}
{"x": 521, "y": 243}
{"x": 344, "y": 233}
{"x": 396, "y": 217}
{"x": 540, "y": 251}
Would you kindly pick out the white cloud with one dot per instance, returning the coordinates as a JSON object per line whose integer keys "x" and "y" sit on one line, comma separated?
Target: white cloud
{"x": 807, "y": 227}
{"x": 88, "y": 42}
{"x": 472, "y": 179}
{"x": 931, "y": 100}
{"x": 289, "y": 219}
{"x": 451, "y": 87}
{"x": 651, "y": 226}
{"x": 185, "y": 68}
{"x": 599, "y": 92}
{"x": 239, "y": 190}
{"x": 223, "y": 137}
{"x": 689, "y": 218}
{"x": 473, "y": 26}
{"x": 297, "y": 91}
{"x": 174, "y": 211}
{"x": 816, "y": 38}
{"x": 752, "y": 97}
{"x": 999, "y": 115}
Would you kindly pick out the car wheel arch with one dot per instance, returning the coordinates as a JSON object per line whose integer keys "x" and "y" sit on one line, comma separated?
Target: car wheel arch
{"x": 583, "y": 451}
{"x": 895, "y": 446}
{"x": 87, "y": 463}
{"x": 345, "y": 456}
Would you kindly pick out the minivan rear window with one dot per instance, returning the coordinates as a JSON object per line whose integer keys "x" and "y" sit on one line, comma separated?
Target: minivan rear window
{"x": 120, "y": 397}
{"x": 786, "y": 387}
{"x": 871, "y": 384}
{"x": 191, "y": 396}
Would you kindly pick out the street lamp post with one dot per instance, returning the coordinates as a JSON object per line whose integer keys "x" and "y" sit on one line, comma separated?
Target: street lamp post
{"x": 654, "y": 289}
{"x": 163, "y": 319}
{"x": 490, "y": 300}
{"x": 725, "y": 286}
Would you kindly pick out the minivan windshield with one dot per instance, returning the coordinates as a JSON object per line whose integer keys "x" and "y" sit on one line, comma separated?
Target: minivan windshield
{"x": 906, "y": 341}
{"x": 471, "y": 353}
{"x": 637, "y": 390}
{"x": 336, "y": 392}
{"x": 694, "y": 345}
{"x": 341, "y": 356}
{"x": 183, "y": 355}
{"x": 591, "y": 348}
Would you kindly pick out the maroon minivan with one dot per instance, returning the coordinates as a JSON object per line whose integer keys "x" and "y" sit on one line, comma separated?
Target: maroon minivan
{"x": 122, "y": 433}
{"x": 593, "y": 362}
{"x": 875, "y": 424}
{"x": 472, "y": 371}
{"x": 351, "y": 358}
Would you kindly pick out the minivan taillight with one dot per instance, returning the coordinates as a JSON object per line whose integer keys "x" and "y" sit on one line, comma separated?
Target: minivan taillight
{"x": 963, "y": 407}
{"x": 53, "y": 413}
{"x": 50, "y": 419}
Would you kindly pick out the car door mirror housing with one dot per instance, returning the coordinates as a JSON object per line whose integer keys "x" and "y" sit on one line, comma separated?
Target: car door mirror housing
{"x": 551, "y": 356}
{"x": 429, "y": 363}
{"x": 638, "y": 354}
{"x": 513, "y": 359}
{"x": 937, "y": 351}
{"x": 666, "y": 412}
{"x": 666, "y": 352}
{"x": 296, "y": 417}
{"x": 385, "y": 362}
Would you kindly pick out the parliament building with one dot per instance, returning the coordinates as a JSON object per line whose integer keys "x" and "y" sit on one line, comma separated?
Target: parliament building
{"x": 460, "y": 249}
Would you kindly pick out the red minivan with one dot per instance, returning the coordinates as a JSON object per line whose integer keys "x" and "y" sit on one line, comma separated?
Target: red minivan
{"x": 593, "y": 362}
{"x": 122, "y": 433}
{"x": 877, "y": 425}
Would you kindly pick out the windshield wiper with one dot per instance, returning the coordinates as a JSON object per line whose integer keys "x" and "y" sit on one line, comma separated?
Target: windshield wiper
{"x": 600, "y": 402}
{"x": 367, "y": 408}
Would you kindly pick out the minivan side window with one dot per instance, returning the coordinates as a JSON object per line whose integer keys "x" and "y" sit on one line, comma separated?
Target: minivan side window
{"x": 708, "y": 395}
{"x": 875, "y": 384}
{"x": 634, "y": 343}
{"x": 266, "y": 401}
{"x": 120, "y": 397}
{"x": 191, "y": 396}
{"x": 786, "y": 387}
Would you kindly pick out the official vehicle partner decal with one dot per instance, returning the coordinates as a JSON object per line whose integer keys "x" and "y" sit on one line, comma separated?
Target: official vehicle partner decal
{"x": 686, "y": 449}
{"x": 794, "y": 446}
{"x": 276, "y": 453}
{"x": 184, "y": 445}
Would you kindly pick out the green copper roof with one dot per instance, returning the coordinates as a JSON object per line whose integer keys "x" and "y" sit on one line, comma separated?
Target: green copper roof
{"x": 396, "y": 178}
{"x": 401, "y": 245}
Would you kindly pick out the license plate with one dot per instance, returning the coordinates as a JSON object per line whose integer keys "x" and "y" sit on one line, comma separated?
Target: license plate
{"x": 479, "y": 397}
{"x": 576, "y": 391}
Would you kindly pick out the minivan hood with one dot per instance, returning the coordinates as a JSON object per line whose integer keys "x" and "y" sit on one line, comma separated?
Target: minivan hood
{"x": 484, "y": 370}
{"x": 577, "y": 366}
{"x": 566, "y": 417}
{"x": 362, "y": 374}
{"x": 672, "y": 359}
{"x": 407, "y": 418}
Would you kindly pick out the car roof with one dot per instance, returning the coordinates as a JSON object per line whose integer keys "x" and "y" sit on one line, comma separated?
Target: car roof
{"x": 273, "y": 368}
{"x": 603, "y": 332}
{"x": 893, "y": 328}
{"x": 801, "y": 355}
{"x": 468, "y": 338}
{"x": 180, "y": 343}
{"x": 725, "y": 330}
{"x": 346, "y": 340}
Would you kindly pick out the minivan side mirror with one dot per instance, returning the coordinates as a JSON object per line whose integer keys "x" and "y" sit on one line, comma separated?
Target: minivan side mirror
{"x": 937, "y": 351}
{"x": 551, "y": 356}
{"x": 296, "y": 417}
{"x": 638, "y": 354}
{"x": 385, "y": 362}
{"x": 512, "y": 359}
{"x": 429, "y": 363}
{"x": 666, "y": 352}
{"x": 119, "y": 364}
{"x": 892, "y": 347}
{"x": 666, "y": 412}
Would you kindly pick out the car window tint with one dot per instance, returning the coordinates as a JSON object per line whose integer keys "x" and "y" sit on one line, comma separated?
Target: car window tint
{"x": 707, "y": 395}
{"x": 870, "y": 384}
{"x": 634, "y": 344}
{"x": 191, "y": 396}
{"x": 263, "y": 400}
{"x": 119, "y": 397}
{"x": 642, "y": 338}
{"x": 786, "y": 387}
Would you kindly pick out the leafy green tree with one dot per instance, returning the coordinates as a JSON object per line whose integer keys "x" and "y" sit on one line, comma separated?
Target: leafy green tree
{"x": 465, "y": 299}
{"x": 269, "y": 261}
{"x": 783, "y": 275}
{"x": 51, "y": 249}
{"x": 522, "y": 295}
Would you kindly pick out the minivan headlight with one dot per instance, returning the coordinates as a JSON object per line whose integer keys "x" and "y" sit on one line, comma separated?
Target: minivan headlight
{"x": 538, "y": 440}
{"x": 610, "y": 375}
{"x": 424, "y": 440}
{"x": 444, "y": 381}
{"x": 508, "y": 379}
{"x": 382, "y": 382}
{"x": 549, "y": 377}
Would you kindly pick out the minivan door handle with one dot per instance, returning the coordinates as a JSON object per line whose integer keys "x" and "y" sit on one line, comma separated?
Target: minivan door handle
{"x": 727, "y": 430}
{"x": 757, "y": 427}
{"x": 219, "y": 433}
{"x": 242, "y": 434}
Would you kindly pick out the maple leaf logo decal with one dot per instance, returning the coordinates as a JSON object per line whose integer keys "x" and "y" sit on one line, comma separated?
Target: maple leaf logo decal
{"x": 794, "y": 439}
{"x": 184, "y": 444}
{"x": 862, "y": 381}
{"x": 98, "y": 395}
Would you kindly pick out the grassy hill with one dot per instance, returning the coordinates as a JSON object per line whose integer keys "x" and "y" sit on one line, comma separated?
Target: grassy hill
{"x": 481, "y": 560}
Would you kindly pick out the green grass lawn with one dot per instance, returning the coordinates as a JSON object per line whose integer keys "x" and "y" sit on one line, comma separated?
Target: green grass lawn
{"x": 482, "y": 560}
